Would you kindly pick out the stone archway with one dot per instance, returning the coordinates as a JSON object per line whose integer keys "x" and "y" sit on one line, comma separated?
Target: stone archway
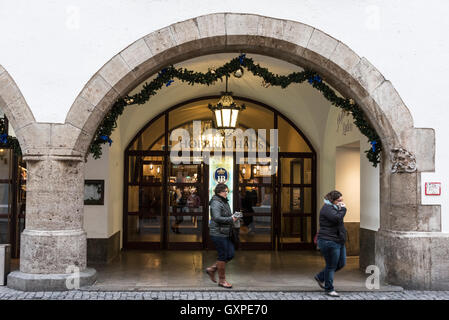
{"x": 15, "y": 108}
{"x": 408, "y": 229}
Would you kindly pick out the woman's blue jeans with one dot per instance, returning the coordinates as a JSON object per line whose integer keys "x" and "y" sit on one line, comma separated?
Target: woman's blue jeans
{"x": 335, "y": 256}
{"x": 224, "y": 247}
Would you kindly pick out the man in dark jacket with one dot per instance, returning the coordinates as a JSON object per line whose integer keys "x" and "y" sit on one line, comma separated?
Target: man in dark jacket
{"x": 331, "y": 240}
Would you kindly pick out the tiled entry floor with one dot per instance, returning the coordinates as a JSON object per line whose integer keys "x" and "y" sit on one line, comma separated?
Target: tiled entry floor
{"x": 249, "y": 271}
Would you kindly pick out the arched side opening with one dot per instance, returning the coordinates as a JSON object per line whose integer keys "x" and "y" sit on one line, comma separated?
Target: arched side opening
{"x": 15, "y": 117}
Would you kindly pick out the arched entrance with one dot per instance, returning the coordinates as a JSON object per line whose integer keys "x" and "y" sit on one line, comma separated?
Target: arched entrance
{"x": 16, "y": 119}
{"x": 405, "y": 230}
{"x": 279, "y": 209}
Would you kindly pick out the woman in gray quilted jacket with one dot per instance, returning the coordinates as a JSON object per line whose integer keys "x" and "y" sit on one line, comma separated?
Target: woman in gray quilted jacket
{"x": 220, "y": 226}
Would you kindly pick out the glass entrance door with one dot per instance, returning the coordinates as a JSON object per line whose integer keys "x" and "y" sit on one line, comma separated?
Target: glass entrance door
{"x": 255, "y": 199}
{"x": 144, "y": 223}
{"x": 296, "y": 201}
{"x": 186, "y": 205}
{"x": 165, "y": 208}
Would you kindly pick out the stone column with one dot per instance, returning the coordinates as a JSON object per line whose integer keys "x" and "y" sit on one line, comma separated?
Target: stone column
{"x": 53, "y": 244}
{"x": 410, "y": 249}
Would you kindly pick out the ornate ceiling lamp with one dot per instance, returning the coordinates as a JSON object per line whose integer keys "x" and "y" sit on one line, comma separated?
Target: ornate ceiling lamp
{"x": 226, "y": 112}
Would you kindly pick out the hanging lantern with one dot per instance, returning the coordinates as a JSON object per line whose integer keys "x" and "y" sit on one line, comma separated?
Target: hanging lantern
{"x": 226, "y": 112}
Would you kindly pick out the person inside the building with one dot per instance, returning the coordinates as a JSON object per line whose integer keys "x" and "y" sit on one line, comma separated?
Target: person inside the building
{"x": 331, "y": 240}
{"x": 220, "y": 228}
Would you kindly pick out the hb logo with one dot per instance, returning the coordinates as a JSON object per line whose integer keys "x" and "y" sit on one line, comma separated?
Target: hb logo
{"x": 221, "y": 175}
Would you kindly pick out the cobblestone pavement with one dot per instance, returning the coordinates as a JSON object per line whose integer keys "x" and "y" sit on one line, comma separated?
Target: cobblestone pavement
{"x": 10, "y": 294}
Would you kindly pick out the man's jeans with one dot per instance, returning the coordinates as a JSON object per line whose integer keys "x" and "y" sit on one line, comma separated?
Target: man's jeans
{"x": 335, "y": 256}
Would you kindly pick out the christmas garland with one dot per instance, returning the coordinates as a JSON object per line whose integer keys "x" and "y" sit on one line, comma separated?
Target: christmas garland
{"x": 165, "y": 78}
{"x": 6, "y": 141}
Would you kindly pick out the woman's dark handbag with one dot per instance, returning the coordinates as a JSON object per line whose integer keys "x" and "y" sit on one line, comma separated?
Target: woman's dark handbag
{"x": 234, "y": 237}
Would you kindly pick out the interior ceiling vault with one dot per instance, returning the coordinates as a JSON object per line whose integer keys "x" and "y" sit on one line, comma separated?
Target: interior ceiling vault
{"x": 301, "y": 103}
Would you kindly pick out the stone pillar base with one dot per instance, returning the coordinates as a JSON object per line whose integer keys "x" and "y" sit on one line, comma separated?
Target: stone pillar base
{"x": 49, "y": 282}
{"x": 52, "y": 251}
{"x": 413, "y": 260}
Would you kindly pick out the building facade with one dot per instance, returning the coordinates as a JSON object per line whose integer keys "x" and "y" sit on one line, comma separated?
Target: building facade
{"x": 146, "y": 201}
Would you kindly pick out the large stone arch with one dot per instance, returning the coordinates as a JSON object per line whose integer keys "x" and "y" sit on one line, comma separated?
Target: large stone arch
{"x": 15, "y": 107}
{"x": 405, "y": 223}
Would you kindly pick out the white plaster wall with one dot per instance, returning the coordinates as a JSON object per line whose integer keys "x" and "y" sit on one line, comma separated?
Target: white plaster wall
{"x": 115, "y": 204}
{"x": 52, "y": 48}
{"x": 104, "y": 221}
{"x": 347, "y": 180}
{"x": 96, "y": 217}
{"x": 369, "y": 209}
{"x": 369, "y": 191}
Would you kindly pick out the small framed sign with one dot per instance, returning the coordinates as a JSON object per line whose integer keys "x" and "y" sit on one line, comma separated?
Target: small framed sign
{"x": 94, "y": 192}
{"x": 433, "y": 189}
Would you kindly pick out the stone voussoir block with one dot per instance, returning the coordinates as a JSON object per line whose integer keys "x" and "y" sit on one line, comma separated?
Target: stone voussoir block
{"x": 271, "y": 28}
{"x": 391, "y": 104}
{"x": 344, "y": 57}
{"x": 368, "y": 76}
{"x": 297, "y": 33}
{"x": 80, "y": 112}
{"x": 83, "y": 142}
{"x": 321, "y": 44}
{"x": 239, "y": 24}
{"x": 136, "y": 54}
{"x": 93, "y": 121}
{"x": 19, "y": 114}
{"x": 185, "y": 31}
{"x": 114, "y": 70}
{"x": 106, "y": 102}
{"x": 160, "y": 40}
{"x": 212, "y": 32}
{"x": 8, "y": 89}
{"x": 95, "y": 89}
{"x": 211, "y": 25}
{"x": 242, "y": 29}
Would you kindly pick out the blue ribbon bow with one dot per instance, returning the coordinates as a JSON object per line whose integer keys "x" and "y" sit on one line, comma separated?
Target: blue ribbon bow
{"x": 169, "y": 82}
{"x": 161, "y": 72}
{"x": 373, "y": 145}
{"x": 316, "y": 78}
{"x": 242, "y": 57}
{"x": 106, "y": 138}
{"x": 4, "y": 138}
